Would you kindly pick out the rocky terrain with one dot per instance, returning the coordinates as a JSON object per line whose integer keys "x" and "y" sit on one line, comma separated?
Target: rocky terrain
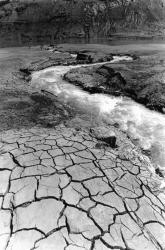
{"x": 39, "y": 22}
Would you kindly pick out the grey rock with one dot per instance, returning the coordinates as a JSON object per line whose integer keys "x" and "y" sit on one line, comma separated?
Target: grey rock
{"x": 93, "y": 57}
{"x": 106, "y": 135}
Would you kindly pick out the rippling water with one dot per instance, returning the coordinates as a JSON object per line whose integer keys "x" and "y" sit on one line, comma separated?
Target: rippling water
{"x": 142, "y": 124}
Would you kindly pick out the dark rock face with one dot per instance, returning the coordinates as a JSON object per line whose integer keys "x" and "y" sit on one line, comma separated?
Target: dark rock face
{"x": 105, "y": 135}
{"x": 110, "y": 140}
{"x": 84, "y": 57}
{"x": 93, "y": 57}
{"x": 160, "y": 172}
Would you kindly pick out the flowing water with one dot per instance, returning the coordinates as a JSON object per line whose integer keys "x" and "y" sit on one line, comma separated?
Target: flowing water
{"x": 145, "y": 126}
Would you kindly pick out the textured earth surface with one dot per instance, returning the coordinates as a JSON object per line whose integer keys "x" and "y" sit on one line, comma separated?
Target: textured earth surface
{"x": 63, "y": 189}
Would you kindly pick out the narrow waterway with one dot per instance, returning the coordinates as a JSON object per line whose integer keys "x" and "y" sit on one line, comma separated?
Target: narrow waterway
{"x": 141, "y": 124}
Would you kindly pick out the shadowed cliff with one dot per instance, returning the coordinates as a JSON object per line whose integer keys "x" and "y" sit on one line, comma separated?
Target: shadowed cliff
{"x": 60, "y": 19}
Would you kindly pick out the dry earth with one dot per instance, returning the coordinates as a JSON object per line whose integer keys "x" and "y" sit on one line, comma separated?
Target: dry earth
{"x": 60, "y": 190}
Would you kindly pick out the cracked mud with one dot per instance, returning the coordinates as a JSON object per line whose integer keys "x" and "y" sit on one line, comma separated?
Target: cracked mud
{"x": 58, "y": 190}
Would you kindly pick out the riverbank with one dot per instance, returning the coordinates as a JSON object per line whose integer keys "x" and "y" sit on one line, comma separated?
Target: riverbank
{"x": 67, "y": 180}
{"x": 25, "y": 108}
{"x": 19, "y": 106}
{"x": 98, "y": 90}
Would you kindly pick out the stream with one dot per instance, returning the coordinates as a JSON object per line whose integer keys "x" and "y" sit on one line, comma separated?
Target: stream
{"x": 141, "y": 124}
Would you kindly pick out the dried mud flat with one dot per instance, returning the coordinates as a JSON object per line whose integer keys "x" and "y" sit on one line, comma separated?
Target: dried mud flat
{"x": 60, "y": 191}
{"x": 61, "y": 188}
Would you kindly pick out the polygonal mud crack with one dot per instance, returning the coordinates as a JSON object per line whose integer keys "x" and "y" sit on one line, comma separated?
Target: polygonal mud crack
{"x": 57, "y": 189}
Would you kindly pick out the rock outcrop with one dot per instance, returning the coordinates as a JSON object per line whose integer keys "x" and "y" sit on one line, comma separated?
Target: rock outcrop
{"x": 93, "y": 57}
{"x": 105, "y": 135}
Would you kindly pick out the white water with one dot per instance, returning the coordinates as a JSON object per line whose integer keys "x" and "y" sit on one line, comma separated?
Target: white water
{"x": 147, "y": 126}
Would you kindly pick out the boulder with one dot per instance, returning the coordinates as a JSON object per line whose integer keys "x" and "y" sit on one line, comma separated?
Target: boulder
{"x": 106, "y": 135}
{"x": 93, "y": 57}
{"x": 160, "y": 172}
{"x": 84, "y": 57}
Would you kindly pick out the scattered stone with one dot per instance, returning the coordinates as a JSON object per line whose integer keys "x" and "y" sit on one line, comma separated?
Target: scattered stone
{"x": 84, "y": 57}
{"x": 106, "y": 135}
{"x": 93, "y": 57}
{"x": 110, "y": 140}
{"x": 160, "y": 172}
{"x": 163, "y": 110}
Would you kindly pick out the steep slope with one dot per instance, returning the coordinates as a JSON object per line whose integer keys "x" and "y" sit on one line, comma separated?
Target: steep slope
{"x": 51, "y": 20}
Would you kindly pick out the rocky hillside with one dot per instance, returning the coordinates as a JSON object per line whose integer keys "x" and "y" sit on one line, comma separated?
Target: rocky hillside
{"x": 56, "y": 19}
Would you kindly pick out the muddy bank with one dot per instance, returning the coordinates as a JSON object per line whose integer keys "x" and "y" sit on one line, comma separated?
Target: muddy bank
{"x": 19, "y": 106}
{"x": 76, "y": 57}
